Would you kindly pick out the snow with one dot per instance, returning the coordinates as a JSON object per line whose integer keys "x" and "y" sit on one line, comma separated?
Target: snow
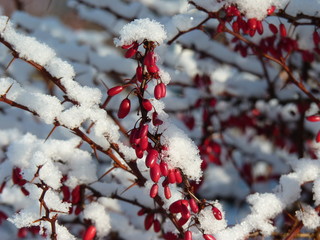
{"x": 309, "y": 217}
{"x": 139, "y": 30}
{"x": 97, "y": 214}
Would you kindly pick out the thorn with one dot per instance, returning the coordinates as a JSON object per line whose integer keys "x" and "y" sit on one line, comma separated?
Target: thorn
{"x": 106, "y": 173}
{"x": 7, "y": 90}
{"x": 104, "y": 84}
{"x": 52, "y": 130}
{"x": 132, "y": 185}
{"x": 14, "y": 58}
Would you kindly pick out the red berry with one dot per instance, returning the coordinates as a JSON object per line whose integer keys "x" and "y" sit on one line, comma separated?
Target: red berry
{"x": 76, "y": 195}
{"x": 158, "y": 91}
{"x": 235, "y": 27}
{"x": 208, "y": 237}
{"x": 151, "y": 158}
{"x": 141, "y": 212}
{"x": 316, "y": 38}
{"x": 175, "y": 207}
{"x": 144, "y": 142}
{"x": 283, "y": 30}
{"x": 148, "y": 221}
{"x": 124, "y": 108}
{"x": 167, "y": 192}
{"x": 164, "y": 168}
{"x": 259, "y": 27}
{"x": 273, "y": 28}
{"x": 139, "y": 73}
{"x": 188, "y": 235}
{"x": 155, "y": 173}
{"x": 252, "y": 23}
{"x": 217, "y": 213}
{"x": 171, "y": 176}
{"x": 164, "y": 89}
{"x": 22, "y": 232}
{"x": 154, "y": 190}
{"x": 318, "y": 137}
{"x": 152, "y": 69}
{"x": 90, "y": 233}
{"x": 139, "y": 152}
{"x": 313, "y": 118}
{"x": 178, "y": 176}
{"x": 131, "y": 52}
{"x": 156, "y": 225}
{"x": 127, "y": 46}
{"x": 271, "y": 10}
{"x": 115, "y": 90}
{"x": 147, "y": 105}
{"x": 149, "y": 59}
{"x": 143, "y": 130}
{"x": 193, "y": 205}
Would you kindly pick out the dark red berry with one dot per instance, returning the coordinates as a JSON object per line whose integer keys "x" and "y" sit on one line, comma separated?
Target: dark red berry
{"x": 124, "y": 108}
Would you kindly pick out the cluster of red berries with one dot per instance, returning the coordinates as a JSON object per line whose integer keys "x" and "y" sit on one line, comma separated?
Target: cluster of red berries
{"x": 185, "y": 208}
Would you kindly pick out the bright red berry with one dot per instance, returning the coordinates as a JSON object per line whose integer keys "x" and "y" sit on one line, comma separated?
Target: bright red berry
{"x": 154, "y": 190}
{"x": 216, "y": 213}
{"x": 124, "y": 108}
{"x": 252, "y": 23}
{"x": 208, "y": 237}
{"x": 90, "y": 233}
{"x": 164, "y": 168}
{"x": 148, "y": 221}
{"x": 283, "y": 30}
{"x": 147, "y": 105}
{"x": 155, "y": 173}
{"x": 156, "y": 225}
{"x": 313, "y": 118}
{"x": 273, "y": 28}
{"x": 167, "y": 192}
{"x": 139, "y": 73}
{"x": 193, "y": 205}
{"x": 188, "y": 235}
{"x": 115, "y": 90}
{"x": 151, "y": 158}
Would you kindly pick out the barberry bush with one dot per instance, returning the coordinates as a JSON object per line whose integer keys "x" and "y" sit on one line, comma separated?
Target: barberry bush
{"x": 175, "y": 120}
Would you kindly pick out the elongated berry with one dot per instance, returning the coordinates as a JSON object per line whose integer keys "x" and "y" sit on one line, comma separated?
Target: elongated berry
{"x": 148, "y": 221}
{"x": 167, "y": 192}
{"x": 147, "y": 105}
{"x": 316, "y": 38}
{"x": 313, "y": 118}
{"x": 143, "y": 144}
{"x": 76, "y": 195}
{"x": 151, "y": 158}
{"x": 115, "y": 90}
{"x": 193, "y": 205}
{"x": 127, "y": 46}
{"x": 259, "y": 27}
{"x": 171, "y": 176}
{"x": 318, "y": 137}
{"x": 143, "y": 130}
{"x": 156, "y": 225}
{"x": 154, "y": 190}
{"x": 216, "y": 213}
{"x": 155, "y": 173}
{"x": 90, "y": 233}
{"x": 139, "y": 152}
{"x": 235, "y": 27}
{"x": 164, "y": 89}
{"x": 252, "y": 23}
{"x": 149, "y": 59}
{"x": 283, "y": 30}
{"x": 187, "y": 235}
{"x": 208, "y": 237}
{"x": 178, "y": 176}
{"x": 271, "y": 10}
{"x": 273, "y": 28}
{"x": 141, "y": 212}
{"x": 158, "y": 91}
{"x": 130, "y": 52}
{"x": 139, "y": 73}
{"x": 164, "y": 168}
{"x": 124, "y": 108}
